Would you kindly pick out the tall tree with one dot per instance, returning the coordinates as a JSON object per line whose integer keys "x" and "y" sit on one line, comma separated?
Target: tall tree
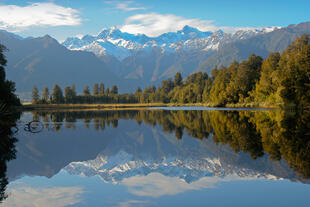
{"x": 57, "y": 95}
{"x": 107, "y": 91}
{"x": 178, "y": 79}
{"x": 7, "y": 88}
{"x": 35, "y": 95}
{"x": 86, "y": 91}
{"x": 46, "y": 94}
{"x": 73, "y": 89}
{"x": 69, "y": 95}
{"x": 96, "y": 89}
{"x": 101, "y": 89}
{"x": 295, "y": 72}
{"x": 114, "y": 89}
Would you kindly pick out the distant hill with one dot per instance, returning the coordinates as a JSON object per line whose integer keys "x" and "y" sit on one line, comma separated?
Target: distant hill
{"x": 261, "y": 45}
{"x": 44, "y": 62}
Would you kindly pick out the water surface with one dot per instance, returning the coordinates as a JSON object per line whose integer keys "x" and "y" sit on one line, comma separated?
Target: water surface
{"x": 188, "y": 157}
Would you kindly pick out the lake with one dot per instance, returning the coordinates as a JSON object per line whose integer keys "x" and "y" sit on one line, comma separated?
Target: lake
{"x": 157, "y": 157}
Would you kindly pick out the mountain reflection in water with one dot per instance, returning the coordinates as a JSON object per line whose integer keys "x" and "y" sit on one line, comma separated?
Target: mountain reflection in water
{"x": 162, "y": 148}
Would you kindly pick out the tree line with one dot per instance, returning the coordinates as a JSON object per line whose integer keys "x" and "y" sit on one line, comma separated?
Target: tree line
{"x": 280, "y": 79}
{"x": 99, "y": 94}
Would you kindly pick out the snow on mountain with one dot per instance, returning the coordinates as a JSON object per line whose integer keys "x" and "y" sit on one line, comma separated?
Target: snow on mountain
{"x": 115, "y": 168}
{"x": 113, "y": 41}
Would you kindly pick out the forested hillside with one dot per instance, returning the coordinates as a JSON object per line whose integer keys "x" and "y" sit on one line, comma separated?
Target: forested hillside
{"x": 279, "y": 80}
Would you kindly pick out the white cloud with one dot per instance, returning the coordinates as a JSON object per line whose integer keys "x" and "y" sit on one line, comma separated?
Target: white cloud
{"x": 125, "y": 5}
{"x": 47, "y": 197}
{"x": 157, "y": 185}
{"x": 155, "y": 24}
{"x": 17, "y": 18}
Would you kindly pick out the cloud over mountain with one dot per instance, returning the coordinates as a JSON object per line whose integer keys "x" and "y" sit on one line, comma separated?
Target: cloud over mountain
{"x": 155, "y": 24}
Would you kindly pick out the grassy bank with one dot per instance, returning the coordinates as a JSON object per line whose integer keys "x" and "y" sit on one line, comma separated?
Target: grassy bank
{"x": 89, "y": 106}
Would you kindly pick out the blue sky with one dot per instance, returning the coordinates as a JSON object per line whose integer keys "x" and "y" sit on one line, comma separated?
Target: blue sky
{"x": 63, "y": 18}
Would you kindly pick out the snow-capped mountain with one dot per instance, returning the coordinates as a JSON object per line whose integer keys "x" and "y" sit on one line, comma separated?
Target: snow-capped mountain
{"x": 122, "y": 165}
{"x": 113, "y": 41}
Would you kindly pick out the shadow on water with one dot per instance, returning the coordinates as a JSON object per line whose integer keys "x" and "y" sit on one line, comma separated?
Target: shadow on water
{"x": 8, "y": 128}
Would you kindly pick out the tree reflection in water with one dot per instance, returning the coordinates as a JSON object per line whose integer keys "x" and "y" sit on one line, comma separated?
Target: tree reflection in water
{"x": 280, "y": 134}
{"x": 7, "y": 144}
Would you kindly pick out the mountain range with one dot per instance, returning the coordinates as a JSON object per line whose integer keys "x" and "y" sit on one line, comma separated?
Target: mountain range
{"x": 128, "y": 60}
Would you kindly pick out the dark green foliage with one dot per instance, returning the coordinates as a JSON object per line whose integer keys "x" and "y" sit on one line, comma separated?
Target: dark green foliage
{"x": 69, "y": 95}
{"x": 57, "y": 95}
{"x": 178, "y": 79}
{"x": 96, "y": 89}
{"x": 8, "y": 117}
{"x": 35, "y": 95}
{"x": 7, "y": 88}
{"x": 114, "y": 89}
{"x": 46, "y": 94}
{"x": 86, "y": 91}
{"x": 101, "y": 89}
{"x": 295, "y": 62}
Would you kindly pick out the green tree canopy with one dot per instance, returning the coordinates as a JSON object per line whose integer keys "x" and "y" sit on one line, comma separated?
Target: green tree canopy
{"x": 57, "y": 95}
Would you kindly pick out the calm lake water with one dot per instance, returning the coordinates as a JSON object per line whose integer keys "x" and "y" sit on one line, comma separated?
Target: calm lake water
{"x": 188, "y": 157}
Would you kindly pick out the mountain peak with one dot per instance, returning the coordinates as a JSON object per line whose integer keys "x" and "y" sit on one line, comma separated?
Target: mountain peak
{"x": 188, "y": 28}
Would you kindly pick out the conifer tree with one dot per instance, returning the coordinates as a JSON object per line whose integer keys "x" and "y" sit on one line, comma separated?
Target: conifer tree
{"x": 7, "y": 88}
{"x": 35, "y": 95}
{"x": 86, "y": 91}
{"x": 45, "y": 94}
{"x": 96, "y": 89}
{"x": 107, "y": 91}
{"x": 114, "y": 89}
{"x": 57, "y": 95}
{"x": 101, "y": 89}
{"x": 73, "y": 89}
{"x": 178, "y": 79}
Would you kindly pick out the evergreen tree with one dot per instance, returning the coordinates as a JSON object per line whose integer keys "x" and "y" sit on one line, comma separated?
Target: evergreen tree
{"x": 101, "y": 89}
{"x": 86, "y": 91}
{"x": 45, "y": 94}
{"x": 35, "y": 95}
{"x": 57, "y": 95}
{"x": 114, "y": 89}
{"x": 178, "y": 79}
{"x": 138, "y": 90}
{"x": 107, "y": 91}
{"x": 295, "y": 72}
{"x": 73, "y": 89}
{"x": 7, "y": 88}
{"x": 96, "y": 89}
{"x": 69, "y": 95}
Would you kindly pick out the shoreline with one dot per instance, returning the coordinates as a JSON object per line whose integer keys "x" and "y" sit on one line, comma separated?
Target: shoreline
{"x": 31, "y": 107}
